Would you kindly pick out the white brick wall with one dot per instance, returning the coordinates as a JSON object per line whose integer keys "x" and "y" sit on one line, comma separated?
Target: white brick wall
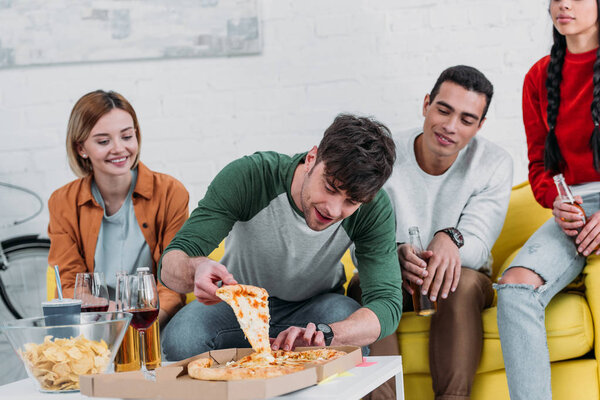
{"x": 376, "y": 57}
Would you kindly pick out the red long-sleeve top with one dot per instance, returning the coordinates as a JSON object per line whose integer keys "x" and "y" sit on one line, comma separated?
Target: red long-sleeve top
{"x": 574, "y": 123}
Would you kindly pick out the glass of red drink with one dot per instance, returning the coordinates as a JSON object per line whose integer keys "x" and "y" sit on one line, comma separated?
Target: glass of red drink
{"x": 139, "y": 297}
{"x": 90, "y": 288}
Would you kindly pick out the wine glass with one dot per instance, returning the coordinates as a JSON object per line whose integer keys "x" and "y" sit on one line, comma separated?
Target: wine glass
{"x": 90, "y": 288}
{"x": 141, "y": 299}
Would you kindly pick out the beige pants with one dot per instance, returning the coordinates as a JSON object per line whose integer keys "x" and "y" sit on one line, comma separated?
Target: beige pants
{"x": 455, "y": 337}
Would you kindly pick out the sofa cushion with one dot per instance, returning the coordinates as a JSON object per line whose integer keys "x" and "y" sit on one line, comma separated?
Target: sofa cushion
{"x": 525, "y": 215}
{"x": 568, "y": 323}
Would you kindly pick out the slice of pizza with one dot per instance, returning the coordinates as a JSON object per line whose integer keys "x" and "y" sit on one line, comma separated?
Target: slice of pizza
{"x": 251, "y": 307}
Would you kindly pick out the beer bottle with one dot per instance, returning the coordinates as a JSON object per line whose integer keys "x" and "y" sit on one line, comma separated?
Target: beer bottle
{"x": 566, "y": 196}
{"x": 422, "y": 304}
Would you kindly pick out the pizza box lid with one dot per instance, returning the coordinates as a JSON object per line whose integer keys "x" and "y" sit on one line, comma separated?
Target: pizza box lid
{"x": 172, "y": 381}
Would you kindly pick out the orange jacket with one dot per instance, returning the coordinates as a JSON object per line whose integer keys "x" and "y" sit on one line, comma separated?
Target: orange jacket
{"x": 160, "y": 203}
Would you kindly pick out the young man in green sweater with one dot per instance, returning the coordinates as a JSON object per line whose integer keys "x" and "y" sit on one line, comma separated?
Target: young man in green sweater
{"x": 288, "y": 220}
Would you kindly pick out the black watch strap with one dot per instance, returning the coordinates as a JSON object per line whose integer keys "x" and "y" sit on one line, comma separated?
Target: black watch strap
{"x": 455, "y": 235}
{"x": 327, "y": 332}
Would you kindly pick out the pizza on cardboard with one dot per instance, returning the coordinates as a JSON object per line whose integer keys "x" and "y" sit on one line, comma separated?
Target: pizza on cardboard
{"x": 251, "y": 308}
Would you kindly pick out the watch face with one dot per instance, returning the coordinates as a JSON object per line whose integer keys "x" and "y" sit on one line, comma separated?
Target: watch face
{"x": 456, "y": 236}
{"x": 324, "y": 328}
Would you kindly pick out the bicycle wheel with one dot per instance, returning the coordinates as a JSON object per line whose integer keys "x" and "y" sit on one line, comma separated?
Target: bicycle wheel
{"x": 23, "y": 281}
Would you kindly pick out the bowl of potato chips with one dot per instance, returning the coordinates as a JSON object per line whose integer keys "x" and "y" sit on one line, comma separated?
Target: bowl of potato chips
{"x": 55, "y": 356}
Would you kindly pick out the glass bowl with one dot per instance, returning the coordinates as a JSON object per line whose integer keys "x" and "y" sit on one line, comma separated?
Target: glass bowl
{"x": 55, "y": 356}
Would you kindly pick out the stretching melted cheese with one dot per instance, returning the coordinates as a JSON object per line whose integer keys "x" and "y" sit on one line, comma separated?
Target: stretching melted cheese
{"x": 251, "y": 308}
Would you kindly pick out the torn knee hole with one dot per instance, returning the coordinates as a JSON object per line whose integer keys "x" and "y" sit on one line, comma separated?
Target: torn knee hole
{"x": 521, "y": 276}
{"x": 501, "y": 285}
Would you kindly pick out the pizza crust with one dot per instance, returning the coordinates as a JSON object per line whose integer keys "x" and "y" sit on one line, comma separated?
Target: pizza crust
{"x": 196, "y": 367}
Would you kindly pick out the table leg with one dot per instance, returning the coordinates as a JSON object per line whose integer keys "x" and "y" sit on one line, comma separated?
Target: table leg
{"x": 399, "y": 386}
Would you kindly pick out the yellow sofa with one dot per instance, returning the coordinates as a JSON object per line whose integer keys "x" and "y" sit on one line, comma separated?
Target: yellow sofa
{"x": 570, "y": 320}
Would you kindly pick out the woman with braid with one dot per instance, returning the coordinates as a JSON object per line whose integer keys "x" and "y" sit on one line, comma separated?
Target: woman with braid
{"x": 561, "y": 113}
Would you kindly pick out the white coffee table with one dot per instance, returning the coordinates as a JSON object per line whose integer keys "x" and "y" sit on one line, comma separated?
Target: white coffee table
{"x": 352, "y": 384}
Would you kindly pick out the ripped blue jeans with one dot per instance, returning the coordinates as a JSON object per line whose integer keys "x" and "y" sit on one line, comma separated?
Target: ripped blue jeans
{"x": 521, "y": 308}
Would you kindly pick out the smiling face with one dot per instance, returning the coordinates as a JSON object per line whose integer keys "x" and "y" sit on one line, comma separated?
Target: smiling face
{"x": 575, "y": 17}
{"x": 322, "y": 203}
{"x": 452, "y": 119}
{"x": 112, "y": 144}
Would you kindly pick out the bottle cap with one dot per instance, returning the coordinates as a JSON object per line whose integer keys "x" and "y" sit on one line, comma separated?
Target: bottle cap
{"x": 142, "y": 269}
{"x": 413, "y": 230}
{"x": 558, "y": 177}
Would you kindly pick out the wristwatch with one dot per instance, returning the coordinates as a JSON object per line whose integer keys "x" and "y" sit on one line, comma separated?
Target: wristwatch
{"x": 455, "y": 235}
{"x": 327, "y": 332}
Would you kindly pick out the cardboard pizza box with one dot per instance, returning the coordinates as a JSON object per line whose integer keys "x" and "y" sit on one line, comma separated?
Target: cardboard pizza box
{"x": 350, "y": 360}
{"x": 172, "y": 381}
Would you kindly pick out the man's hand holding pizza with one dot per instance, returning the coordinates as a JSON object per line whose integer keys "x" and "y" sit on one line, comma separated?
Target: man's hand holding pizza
{"x": 208, "y": 274}
{"x": 185, "y": 274}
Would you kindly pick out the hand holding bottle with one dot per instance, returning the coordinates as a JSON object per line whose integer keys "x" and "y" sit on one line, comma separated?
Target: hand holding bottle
{"x": 413, "y": 267}
{"x": 567, "y": 210}
{"x": 422, "y": 304}
{"x": 569, "y": 217}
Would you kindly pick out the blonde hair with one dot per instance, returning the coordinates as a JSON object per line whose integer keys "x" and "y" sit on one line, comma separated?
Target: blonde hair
{"x": 84, "y": 116}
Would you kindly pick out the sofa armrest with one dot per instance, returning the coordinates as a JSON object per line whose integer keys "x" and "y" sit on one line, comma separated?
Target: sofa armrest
{"x": 591, "y": 273}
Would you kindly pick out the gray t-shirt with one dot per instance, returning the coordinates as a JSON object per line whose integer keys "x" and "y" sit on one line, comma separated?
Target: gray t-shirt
{"x": 472, "y": 195}
{"x": 121, "y": 246}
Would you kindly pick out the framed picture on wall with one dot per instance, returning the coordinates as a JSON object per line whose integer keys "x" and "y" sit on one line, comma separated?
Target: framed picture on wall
{"x": 40, "y": 32}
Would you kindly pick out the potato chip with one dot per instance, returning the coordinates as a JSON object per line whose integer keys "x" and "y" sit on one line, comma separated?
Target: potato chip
{"x": 74, "y": 353}
{"x": 57, "y": 364}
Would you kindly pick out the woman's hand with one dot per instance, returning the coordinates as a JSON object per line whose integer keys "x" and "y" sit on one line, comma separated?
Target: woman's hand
{"x": 567, "y": 216}
{"x": 588, "y": 239}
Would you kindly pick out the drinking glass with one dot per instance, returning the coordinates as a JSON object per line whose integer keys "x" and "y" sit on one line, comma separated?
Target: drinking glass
{"x": 128, "y": 356}
{"x": 140, "y": 298}
{"x": 90, "y": 288}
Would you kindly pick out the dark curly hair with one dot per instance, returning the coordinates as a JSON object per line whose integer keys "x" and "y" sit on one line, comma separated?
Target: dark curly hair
{"x": 359, "y": 155}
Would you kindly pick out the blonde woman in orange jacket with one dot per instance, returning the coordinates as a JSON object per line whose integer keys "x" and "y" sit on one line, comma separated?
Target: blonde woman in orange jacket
{"x": 119, "y": 215}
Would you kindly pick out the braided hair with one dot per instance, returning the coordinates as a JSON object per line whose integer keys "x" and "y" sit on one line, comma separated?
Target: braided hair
{"x": 553, "y": 158}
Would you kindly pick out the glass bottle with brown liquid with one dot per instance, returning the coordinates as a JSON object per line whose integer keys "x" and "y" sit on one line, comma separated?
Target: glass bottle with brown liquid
{"x": 422, "y": 304}
{"x": 566, "y": 196}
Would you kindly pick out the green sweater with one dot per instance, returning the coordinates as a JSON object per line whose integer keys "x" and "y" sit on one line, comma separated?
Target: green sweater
{"x": 270, "y": 245}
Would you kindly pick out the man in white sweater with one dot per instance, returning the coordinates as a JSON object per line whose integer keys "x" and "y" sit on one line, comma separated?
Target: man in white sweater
{"x": 455, "y": 187}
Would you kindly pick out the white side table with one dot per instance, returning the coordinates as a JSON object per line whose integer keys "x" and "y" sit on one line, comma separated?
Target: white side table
{"x": 356, "y": 382}
{"x": 352, "y": 384}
